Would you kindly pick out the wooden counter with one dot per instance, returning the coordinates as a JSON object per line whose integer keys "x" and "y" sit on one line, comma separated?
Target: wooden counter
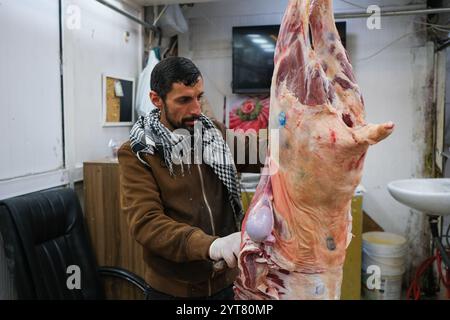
{"x": 108, "y": 228}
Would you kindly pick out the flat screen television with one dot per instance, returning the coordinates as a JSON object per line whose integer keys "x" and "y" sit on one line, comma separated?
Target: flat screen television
{"x": 253, "y": 53}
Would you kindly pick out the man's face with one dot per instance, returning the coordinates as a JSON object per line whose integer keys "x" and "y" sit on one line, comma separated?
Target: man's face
{"x": 182, "y": 106}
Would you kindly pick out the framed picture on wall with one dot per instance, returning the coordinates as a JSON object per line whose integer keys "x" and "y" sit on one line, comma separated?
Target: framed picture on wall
{"x": 246, "y": 112}
{"x": 118, "y": 100}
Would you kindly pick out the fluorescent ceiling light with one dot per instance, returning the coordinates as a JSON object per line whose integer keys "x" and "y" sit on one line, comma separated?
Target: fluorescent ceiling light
{"x": 254, "y": 36}
{"x": 267, "y": 46}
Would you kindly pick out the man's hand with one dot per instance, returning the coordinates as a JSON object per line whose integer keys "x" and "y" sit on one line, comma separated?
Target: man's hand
{"x": 226, "y": 248}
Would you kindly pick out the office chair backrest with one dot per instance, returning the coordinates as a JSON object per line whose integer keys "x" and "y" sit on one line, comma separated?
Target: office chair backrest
{"x": 44, "y": 235}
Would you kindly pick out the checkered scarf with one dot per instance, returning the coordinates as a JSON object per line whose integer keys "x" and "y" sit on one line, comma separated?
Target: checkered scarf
{"x": 149, "y": 134}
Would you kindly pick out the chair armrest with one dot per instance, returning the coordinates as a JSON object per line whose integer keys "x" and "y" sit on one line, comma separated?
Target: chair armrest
{"x": 126, "y": 275}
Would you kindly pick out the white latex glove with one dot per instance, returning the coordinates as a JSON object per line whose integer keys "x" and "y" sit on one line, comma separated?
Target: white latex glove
{"x": 226, "y": 248}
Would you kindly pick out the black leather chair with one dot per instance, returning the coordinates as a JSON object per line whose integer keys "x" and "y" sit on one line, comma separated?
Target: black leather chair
{"x": 44, "y": 233}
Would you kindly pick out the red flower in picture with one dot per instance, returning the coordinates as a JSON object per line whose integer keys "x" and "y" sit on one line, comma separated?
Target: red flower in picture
{"x": 248, "y": 107}
{"x": 253, "y": 114}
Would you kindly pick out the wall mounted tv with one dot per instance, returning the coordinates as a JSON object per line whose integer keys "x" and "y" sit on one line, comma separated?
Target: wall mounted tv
{"x": 253, "y": 52}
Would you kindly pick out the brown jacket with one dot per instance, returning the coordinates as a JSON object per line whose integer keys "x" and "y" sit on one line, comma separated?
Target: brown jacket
{"x": 176, "y": 219}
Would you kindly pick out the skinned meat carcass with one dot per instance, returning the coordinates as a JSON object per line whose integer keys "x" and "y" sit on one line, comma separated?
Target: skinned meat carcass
{"x": 298, "y": 226}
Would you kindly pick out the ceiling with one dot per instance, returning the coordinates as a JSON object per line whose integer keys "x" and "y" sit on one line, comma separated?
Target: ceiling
{"x": 153, "y": 2}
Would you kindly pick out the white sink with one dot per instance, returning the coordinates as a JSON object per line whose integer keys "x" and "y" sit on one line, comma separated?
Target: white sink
{"x": 431, "y": 196}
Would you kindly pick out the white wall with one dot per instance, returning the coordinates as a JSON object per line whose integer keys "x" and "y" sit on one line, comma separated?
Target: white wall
{"x": 395, "y": 84}
{"x": 447, "y": 106}
{"x": 98, "y": 47}
{"x": 31, "y": 125}
{"x": 30, "y": 96}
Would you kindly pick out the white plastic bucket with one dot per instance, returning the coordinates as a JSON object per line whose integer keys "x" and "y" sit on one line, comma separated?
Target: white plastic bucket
{"x": 249, "y": 183}
{"x": 390, "y": 288}
{"x": 383, "y": 256}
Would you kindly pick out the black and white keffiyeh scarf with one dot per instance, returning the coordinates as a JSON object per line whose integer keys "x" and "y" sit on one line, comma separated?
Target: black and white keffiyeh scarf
{"x": 149, "y": 135}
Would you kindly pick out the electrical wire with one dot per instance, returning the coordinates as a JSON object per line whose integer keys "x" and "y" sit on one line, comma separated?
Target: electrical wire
{"x": 438, "y": 27}
{"x": 390, "y": 45}
{"x": 441, "y": 26}
{"x": 445, "y": 279}
{"x": 429, "y": 26}
{"x": 414, "y": 289}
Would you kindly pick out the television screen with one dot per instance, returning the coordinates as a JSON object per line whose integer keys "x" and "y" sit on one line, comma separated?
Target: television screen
{"x": 253, "y": 53}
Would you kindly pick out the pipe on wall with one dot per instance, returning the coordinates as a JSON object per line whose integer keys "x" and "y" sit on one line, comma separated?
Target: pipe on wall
{"x": 392, "y": 13}
{"x": 349, "y": 15}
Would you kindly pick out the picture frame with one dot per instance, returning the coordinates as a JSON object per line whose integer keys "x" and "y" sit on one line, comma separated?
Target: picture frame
{"x": 245, "y": 112}
{"x": 118, "y": 100}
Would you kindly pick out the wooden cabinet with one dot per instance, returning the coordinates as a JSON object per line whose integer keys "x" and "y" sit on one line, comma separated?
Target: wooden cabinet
{"x": 351, "y": 283}
{"x": 108, "y": 227}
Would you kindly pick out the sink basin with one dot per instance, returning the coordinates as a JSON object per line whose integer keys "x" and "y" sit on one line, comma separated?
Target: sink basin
{"x": 431, "y": 196}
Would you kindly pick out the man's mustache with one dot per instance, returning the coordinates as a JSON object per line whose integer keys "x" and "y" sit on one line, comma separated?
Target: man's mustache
{"x": 191, "y": 119}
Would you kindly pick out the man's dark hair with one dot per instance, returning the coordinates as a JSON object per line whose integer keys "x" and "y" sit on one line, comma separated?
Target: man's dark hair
{"x": 170, "y": 71}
